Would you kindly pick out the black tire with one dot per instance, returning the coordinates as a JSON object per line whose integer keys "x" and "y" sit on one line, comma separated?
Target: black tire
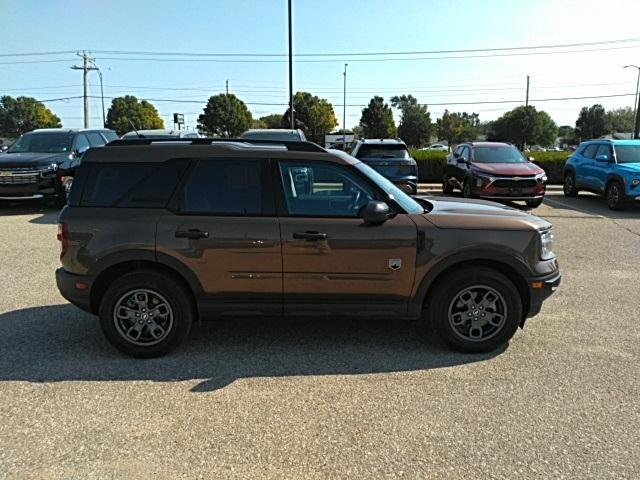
{"x": 446, "y": 186}
{"x": 167, "y": 288}
{"x": 445, "y": 293}
{"x": 466, "y": 190}
{"x": 614, "y": 194}
{"x": 569, "y": 185}
{"x": 534, "y": 203}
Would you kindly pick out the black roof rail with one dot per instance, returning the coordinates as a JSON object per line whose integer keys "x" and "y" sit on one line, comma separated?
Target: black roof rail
{"x": 294, "y": 146}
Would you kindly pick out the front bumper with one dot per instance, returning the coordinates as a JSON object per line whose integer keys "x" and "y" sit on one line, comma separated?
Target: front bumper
{"x": 68, "y": 285}
{"x": 541, "y": 288}
{"x": 27, "y": 187}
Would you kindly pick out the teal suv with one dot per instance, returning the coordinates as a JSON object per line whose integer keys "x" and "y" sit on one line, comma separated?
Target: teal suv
{"x": 608, "y": 167}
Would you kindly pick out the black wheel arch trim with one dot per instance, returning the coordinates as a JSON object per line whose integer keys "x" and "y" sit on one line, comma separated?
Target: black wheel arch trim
{"x": 480, "y": 257}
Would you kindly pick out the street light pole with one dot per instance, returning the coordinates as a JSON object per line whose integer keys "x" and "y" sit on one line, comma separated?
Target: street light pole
{"x": 290, "y": 69}
{"x": 104, "y": 120}
{"x": 636, "y": 103}
{"x": 344, "y": 109}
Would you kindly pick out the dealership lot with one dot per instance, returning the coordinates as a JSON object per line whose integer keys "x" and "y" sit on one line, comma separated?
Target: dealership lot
{"x": 337, "y": 399}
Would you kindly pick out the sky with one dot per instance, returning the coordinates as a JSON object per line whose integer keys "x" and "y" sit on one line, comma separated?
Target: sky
{"x": 180, "y": 83}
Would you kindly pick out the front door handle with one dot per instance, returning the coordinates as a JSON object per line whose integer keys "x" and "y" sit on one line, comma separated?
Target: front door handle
{"x": 311, "y": 236}
{"x": 192, "y": 233}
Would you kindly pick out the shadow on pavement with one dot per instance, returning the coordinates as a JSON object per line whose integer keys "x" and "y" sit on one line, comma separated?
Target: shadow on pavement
{"x": 594, "y": 205}
{"x": 61, "y": 343}
{"x": 48, "y": 213}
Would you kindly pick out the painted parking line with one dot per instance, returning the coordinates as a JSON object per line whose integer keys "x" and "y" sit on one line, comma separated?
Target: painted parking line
{"x": 571, "y": 207}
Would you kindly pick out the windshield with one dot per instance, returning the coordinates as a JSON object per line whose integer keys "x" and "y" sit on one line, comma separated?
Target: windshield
{"x": 43, "y": 143}
{"x": 383, "y": 151}
{"x": 498, "y": 155}
{"x": 405, "y": 201}
{"x": 628, "y": 153}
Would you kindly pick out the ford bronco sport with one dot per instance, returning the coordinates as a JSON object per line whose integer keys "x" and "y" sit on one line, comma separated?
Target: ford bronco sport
{"x": 157, "y": 235}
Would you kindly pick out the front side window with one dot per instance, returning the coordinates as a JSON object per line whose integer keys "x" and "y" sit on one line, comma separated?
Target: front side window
{"x": 231, "y": 187}
{"x": 95, "y": 139}
{"x": 82, "y": 144}
{"x": 590, "y": 151}
{"x": 628, "y": 153}
{"x": 323, "y": 190}
{"x": 604, "y": 150}
{"x": 465, "y": 153}
{"x": 43, "y": 143}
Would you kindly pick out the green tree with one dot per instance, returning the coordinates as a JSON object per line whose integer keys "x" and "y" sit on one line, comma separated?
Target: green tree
{"x": 272, "y": 121}
{"x": 458, "y": 127}
{"x": 257, "y": 123}
{"x": 591, "y": 122}
{"x": 620, "y": 120}
{"x": 377, "y": 119}
{"x": 127, "y": 113}
{"x": 567, "y": 135}
{"x": 415, "y": 124}
{"x": 313, "y": 115}
{"x": 23, "y": 114}
{"x": 225, "y": 115}
{"x": 525, "y": 126}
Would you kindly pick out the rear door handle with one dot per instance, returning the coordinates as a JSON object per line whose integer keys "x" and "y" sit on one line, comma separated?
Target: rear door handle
{"x": 192, "y": 234}
{"x": 310, "y": 236}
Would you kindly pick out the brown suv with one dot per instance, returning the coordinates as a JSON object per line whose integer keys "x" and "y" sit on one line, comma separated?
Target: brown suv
{"x": 159, "y": 234}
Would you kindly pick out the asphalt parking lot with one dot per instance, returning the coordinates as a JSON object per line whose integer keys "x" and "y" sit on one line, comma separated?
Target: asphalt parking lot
{"x": 339, "y": 399}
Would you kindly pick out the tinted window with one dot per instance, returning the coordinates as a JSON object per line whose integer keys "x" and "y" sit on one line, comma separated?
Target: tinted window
{"x": 628, "y": 153}
{"x": 43, "y": 142}
{"x": 498, "y": 155}
{"x": 109, "y": 135}
{"x": 95, "y": 139}
{"x": 110, "y": 182}
{"x": 590, "y": 151}
{"x": 225, "y": 187}
{"x": 382, "y": 151}
{"x": 155, "y": 189}
{"x": 465, "y": 153}
{"x": 604, "y": 150}
{"x": 323, "y": 190}
{"x": 82, "y": 143}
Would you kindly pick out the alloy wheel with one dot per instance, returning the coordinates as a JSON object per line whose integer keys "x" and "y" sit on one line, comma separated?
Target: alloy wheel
{"x": 143, "y": 317}
{"x": 477, "y": 313}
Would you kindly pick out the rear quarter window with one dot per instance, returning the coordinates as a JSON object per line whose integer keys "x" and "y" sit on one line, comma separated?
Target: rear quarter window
{"x": 126, "y": 185}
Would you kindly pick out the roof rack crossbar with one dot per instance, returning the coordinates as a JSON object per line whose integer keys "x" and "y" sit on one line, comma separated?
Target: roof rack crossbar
{"x": 292, "y": 146}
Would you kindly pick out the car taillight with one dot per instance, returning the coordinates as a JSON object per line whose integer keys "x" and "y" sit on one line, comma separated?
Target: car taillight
{"x": 63, "y": 237}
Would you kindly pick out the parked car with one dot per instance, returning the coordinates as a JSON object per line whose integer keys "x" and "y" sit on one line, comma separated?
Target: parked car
{"x": 292, "y": 230}
{"x": 391, "y": 158}
{"x": 160, "y": 134}
{"x": 607, "y": 167}
{"x": 494, "y": 171}
{"x": 41, "y": 163}
{"x": 436, "y": 147}
{"x": 276, "y": 134}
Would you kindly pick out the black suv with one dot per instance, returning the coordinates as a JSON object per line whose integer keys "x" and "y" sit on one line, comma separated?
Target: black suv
{"x": 391, "y": 158}
{"x": 159, "y": 234}
{"x": 41, "y": 163}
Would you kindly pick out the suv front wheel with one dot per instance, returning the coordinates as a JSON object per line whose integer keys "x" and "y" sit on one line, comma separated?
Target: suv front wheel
{"x": 146, "y": 313}
{"x": 475, "y": 309}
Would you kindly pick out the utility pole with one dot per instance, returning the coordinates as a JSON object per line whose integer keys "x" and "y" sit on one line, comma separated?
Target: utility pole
{"x": 526, "y": 103}
{"x": 344, "y": 109}
{"x": 227, "y": 87}
{"x": 290, "y": 69}
{"x": 87, "y": 65}
{"x": 636, "y": 106}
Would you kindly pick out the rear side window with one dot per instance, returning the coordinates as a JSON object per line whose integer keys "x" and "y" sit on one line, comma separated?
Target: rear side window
{"x": 225, "y": 187}
{"x": 95, "y": 139}
{"x": 109, "y": 136}
{"x": 139, "y": 185}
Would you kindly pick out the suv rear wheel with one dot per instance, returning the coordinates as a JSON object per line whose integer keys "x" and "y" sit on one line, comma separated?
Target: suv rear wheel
{"x": 466, "y": 189}
{"x": 569, "y": 185}
{"x": 475, "y": 309}
{"x": 146, "y": 313}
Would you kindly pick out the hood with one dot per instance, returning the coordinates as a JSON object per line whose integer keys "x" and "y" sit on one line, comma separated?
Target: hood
{"x": 480, "y": 215}
{"x": 31, "y": 159}
{"x": 629, "y": 167}
{"x": 387, "y": 161}
{"x": 521, "y": 169}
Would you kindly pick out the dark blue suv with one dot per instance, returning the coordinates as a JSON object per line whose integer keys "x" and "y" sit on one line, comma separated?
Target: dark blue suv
{"x": 391, "y": 158}
{"x": 609, "y": 167}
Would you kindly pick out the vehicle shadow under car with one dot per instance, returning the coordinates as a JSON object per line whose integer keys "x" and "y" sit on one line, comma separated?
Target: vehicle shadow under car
{"x": 46, "y": 211}
{"x": 61, "y": 343}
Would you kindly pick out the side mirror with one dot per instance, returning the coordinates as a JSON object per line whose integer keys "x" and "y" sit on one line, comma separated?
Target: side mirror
{"x": 602, "y": 158}
{"x": 375, "y": 212}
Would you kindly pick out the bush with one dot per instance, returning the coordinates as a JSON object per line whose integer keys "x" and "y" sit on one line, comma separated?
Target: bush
{"x": 431, "y": 164}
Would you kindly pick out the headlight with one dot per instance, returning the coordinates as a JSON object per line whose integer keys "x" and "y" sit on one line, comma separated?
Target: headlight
{"x": 541, "y": 177}
{"x": 482, "y": 177}
{"x": 546, "y": 245}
